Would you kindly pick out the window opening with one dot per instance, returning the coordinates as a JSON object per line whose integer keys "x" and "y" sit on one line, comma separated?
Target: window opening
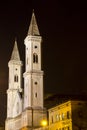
{"x": 68, "y": 115}
{"x": 36, "y": 95}
{"x": 16, "y": 78}
{"x": 35, "y": 83}
{"x": 35, "y": 58}
{"x": 35, "y": 47}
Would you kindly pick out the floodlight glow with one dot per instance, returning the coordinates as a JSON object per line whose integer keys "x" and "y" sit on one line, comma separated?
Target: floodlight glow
{"x": 44, "y": 122}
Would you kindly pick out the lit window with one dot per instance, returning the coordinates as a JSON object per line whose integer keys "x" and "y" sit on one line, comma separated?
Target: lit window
{"x": 57, "y": 117}
{"x": 62, "y": 116}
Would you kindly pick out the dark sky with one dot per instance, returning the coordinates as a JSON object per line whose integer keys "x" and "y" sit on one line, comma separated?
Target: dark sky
{"x": 63, "y": 27}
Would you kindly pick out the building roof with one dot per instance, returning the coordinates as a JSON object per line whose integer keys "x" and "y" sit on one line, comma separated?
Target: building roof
{"x": 56, "y": 99}
{"x": 15, "y": 53}
{"x": 33, "y": 28}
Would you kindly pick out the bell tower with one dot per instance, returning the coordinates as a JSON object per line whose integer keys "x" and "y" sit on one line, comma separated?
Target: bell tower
{"x": 14, "y": 100}
{"x": 33, "y": 76}
{"x": 34, "y": 112}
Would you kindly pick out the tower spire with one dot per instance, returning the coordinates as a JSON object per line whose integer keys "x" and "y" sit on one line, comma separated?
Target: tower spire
{"x": 15, "y": 53}
{"x": 33, "y": 28}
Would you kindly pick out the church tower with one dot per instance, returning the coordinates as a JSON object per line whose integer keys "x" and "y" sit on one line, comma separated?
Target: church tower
{"x": 33, "y": 76}
{"x": 34, "y": 112}
{"x": 14, "y": 101}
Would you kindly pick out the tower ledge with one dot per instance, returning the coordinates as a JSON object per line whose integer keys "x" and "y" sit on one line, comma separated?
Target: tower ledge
{"x": 33, "y": 38}
{"x": 15, "y": 62}
{"x": 34, "y": 73}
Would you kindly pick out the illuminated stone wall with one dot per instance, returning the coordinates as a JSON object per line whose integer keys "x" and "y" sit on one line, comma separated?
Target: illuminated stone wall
{"x": 70, "y": 115}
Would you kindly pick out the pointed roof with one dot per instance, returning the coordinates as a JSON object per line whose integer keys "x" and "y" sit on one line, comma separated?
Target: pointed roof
{"x": 33, "y": 28}
{"x": 15, "y": 53}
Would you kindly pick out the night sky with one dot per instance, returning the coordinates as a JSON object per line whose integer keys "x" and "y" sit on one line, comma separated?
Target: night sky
{"x": 63, "y": 27}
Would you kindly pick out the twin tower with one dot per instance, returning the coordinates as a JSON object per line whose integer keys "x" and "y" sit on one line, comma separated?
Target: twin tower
{"x": 25, "y": 107}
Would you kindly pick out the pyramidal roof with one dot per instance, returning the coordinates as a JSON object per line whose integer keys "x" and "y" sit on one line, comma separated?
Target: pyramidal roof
{"x": 15, "y": 53}
{"x": 33, "y": 28}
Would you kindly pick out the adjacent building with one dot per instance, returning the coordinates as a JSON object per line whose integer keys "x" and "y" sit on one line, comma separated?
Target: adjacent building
{"x": 71, "y": 115}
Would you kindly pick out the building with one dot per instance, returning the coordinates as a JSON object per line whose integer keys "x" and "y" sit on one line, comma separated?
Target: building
{"x": 71, "y": 115}
{"x": 25, "y": 110}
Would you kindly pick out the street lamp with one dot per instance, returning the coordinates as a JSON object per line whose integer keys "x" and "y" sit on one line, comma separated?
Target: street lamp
{"x": 44, "y": 123}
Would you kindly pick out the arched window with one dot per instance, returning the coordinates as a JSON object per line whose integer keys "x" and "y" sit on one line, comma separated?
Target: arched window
{"x": 35, "y": 58}
{"x": 16, "y": 78}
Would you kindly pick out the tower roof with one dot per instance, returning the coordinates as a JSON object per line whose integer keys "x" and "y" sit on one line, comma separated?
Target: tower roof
{"x": 33, "y": 28}
{"x": 15, "y": 53}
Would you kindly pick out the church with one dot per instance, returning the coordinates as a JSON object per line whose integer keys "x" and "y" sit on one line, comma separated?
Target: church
{"x": 25, "y": 107}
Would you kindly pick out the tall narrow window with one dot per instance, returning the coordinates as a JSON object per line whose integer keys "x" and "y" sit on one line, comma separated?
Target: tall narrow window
{"x": 16, "y": 78}
{"x": 36, "y": 94}
{"x": 68, "y": 115}
{"x": 62, "y": 116}
{"x": 35, "y": 58}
